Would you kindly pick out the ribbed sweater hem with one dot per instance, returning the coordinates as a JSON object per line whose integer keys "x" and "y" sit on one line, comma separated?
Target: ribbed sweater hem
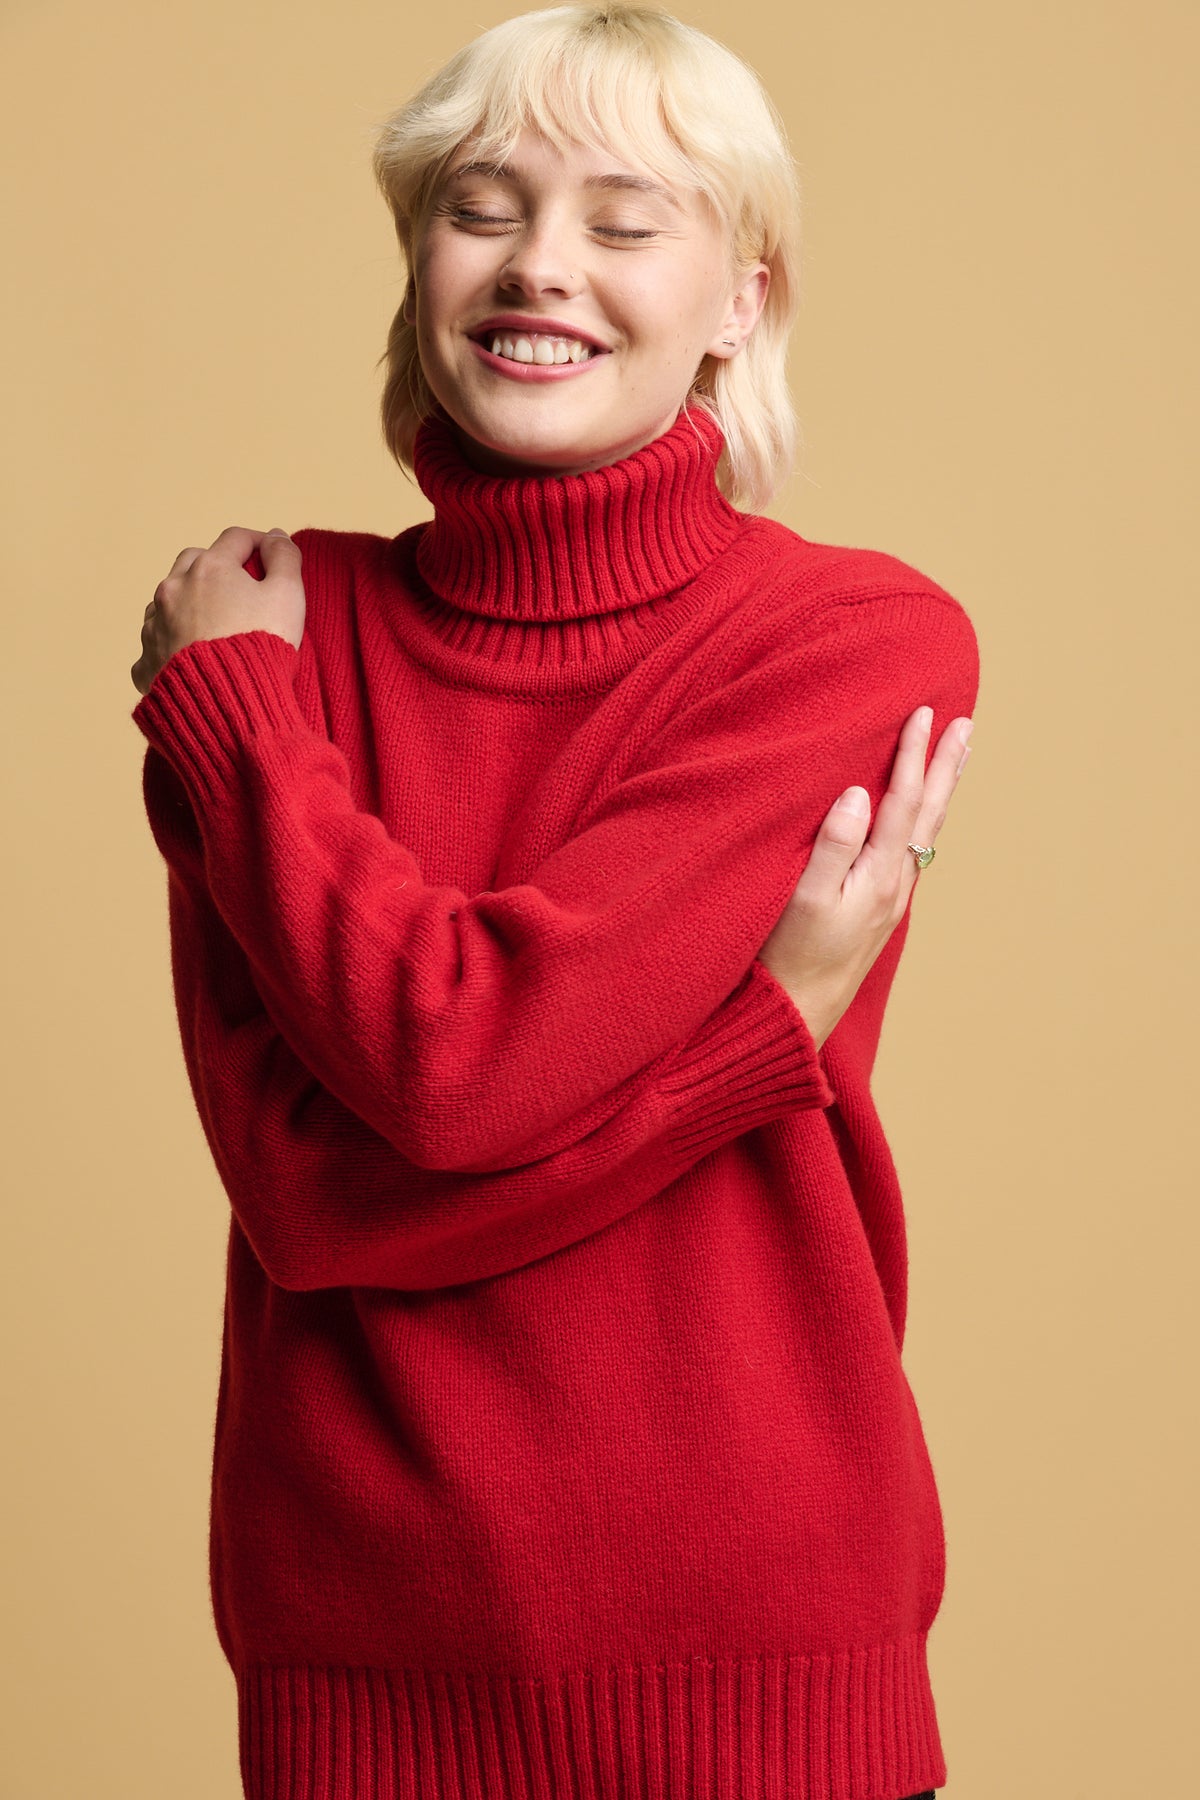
{"x": 856, "y": 1725}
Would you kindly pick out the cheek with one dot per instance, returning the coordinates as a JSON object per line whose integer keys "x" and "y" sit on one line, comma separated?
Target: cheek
{"x": 674, "y": 323}
{"x": 443, "y": 270}
{"x": 657, "y": 327}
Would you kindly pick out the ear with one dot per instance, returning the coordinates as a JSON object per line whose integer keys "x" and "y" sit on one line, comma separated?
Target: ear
{"x": 742, "y": 313}
{"x": 409, "y": 308}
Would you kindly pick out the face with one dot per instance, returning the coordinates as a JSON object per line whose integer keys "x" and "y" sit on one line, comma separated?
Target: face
{"x": 550, "y": 251}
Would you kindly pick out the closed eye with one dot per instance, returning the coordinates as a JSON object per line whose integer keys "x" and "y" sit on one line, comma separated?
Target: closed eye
{"x": 487, "y": 219}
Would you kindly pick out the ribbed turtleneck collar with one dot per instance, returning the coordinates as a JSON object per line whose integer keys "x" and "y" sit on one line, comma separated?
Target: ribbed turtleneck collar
{"x": 541, "y": 548}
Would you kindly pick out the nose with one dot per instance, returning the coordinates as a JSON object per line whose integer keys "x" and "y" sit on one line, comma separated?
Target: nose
{"x": 540, "y": 264}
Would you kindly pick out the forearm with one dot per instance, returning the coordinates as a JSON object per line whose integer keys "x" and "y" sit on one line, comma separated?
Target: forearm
{"x": 325, "y": 1201}
{"x": 462, "y": 1029}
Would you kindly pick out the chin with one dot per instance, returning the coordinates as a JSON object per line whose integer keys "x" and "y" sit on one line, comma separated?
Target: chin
{"x": 536, "y": 451}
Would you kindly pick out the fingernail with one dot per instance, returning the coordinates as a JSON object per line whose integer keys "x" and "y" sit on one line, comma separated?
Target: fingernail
{"x": 925, "y": 716}
{"x": 966, "y": 730}
{"x": 962, "y": 765}
{"x": 856, "y": 800}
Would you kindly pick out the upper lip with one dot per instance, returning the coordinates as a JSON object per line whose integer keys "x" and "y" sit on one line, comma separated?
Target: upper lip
{"x": 529, "y": 322}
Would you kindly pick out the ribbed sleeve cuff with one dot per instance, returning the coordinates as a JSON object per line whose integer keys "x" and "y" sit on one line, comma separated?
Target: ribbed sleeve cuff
{"x": 213, "y": 697}
{"x": 753, "y": 1061}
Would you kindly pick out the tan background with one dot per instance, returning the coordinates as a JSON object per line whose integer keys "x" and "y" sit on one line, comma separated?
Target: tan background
{"x": 995, "y": 367}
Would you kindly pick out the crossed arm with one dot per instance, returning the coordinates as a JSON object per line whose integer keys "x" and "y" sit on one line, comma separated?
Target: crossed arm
{"x": 407, "y": 1086}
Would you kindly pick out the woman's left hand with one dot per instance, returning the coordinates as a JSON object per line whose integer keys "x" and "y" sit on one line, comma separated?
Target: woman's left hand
{"x": 860, "y": 876}
{"x": 209, "y": 594}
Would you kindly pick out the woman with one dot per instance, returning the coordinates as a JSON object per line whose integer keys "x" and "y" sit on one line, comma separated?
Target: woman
{"x": 530, "y": 974}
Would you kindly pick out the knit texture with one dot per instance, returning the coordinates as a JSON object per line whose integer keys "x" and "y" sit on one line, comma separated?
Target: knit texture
{"x": 563, "y": 1445}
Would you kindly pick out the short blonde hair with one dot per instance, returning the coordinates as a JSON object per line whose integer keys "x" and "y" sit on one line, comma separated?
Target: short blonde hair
{"x": 631, "y": 80}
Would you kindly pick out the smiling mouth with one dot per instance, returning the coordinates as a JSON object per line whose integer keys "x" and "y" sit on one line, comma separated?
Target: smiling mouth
{"x": 543, "y": 349}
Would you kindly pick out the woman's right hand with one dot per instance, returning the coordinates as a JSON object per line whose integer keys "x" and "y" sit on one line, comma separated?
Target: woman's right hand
{"x": 853, "y": 893}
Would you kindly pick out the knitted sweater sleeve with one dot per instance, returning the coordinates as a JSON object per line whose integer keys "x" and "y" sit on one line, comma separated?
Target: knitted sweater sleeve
{"x": 325, "y": 1201}
{"x": 462, "y": 1028}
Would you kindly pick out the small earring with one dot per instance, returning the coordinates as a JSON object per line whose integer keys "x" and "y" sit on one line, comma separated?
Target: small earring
{"x": 727, "y": 341}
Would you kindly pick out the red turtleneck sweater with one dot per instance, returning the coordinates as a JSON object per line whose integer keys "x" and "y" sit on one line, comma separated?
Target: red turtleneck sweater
{"x": 563, "y": 1447}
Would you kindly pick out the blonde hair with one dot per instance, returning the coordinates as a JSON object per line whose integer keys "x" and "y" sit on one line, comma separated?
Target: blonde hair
{"x": 630, "y": 80}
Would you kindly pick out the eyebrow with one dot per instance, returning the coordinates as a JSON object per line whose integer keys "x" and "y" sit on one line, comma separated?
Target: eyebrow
{"x": 641, "y": 184}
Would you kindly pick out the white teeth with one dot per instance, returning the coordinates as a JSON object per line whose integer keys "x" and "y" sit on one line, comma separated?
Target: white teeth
{"x": 541, "y": 349}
